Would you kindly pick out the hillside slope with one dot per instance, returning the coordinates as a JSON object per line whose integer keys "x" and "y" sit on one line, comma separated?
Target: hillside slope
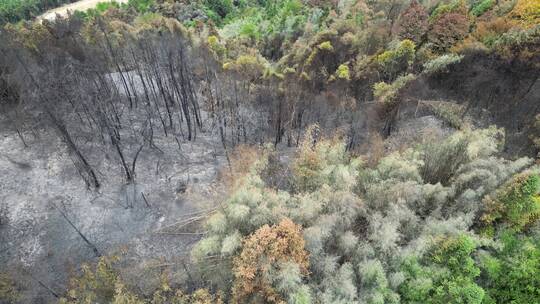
{"x": 288, "y": 151}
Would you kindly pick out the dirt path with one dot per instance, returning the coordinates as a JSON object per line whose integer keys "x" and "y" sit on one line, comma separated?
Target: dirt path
{"x": 76, "y": 6}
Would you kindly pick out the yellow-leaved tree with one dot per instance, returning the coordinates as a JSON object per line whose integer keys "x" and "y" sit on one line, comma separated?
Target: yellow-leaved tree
{"x": 526, "y": 13}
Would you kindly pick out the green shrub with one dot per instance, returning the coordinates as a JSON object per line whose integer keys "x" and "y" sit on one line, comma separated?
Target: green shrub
{"x": 102, "y": 7}
{"x": 511, "y": 271}
{"x": 517, "y": 204}
{"x": 446, "y": 274}
{"x": 397, "y": 60}
{"x": 264, "y": 22}
{"x": 455, "y": 6}
{"x": 441, "y": 63}
{"x": 482, "y": 7}
{"x": 221, "y": 8}
{"x": 343, "y": 72}
{"x": 388, "y": 92}
{"x": 250, "y": 30}
{"x": 141, "y": 6}
{"x": 326, "y": 46}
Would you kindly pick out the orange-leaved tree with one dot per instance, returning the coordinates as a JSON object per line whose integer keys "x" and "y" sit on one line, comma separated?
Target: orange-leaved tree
{"x": 265, "y": 254}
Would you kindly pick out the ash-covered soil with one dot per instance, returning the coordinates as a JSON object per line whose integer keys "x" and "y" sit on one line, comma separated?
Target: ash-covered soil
{"x": 148, "y": 223}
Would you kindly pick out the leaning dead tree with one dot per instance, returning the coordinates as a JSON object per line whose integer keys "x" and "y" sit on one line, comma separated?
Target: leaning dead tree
{"x": 79, "y": 232}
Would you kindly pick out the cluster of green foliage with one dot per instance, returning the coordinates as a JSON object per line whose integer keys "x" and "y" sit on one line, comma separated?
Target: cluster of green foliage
{"x": 398, "y": 59}
{"x": 263, "y": 22}
{"x": 141, "y": 6}
{"x": 389, "y": 234}
{"x": 447, "y": 273}
{"x": 516, "y": 205}
{"x": 511, "y": 270}
{"x": 388, "y": 92}
{"x": 370, "y": 38}
{"x": 440, "y": 64}
{"x": 482, "y": 7}
{"x": 366, "y": 35}
{"x": 219, "y": 9}
{"x": 100, "y": 9}
{"x": 272, "y": 13}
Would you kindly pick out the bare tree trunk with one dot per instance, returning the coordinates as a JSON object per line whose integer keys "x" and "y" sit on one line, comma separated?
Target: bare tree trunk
{"x": 85, "y": 239}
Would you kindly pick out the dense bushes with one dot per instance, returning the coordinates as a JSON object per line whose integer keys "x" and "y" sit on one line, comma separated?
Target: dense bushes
{"x": 399, "y": 232}
{"x": 221, "y": 7}
{"x": 364, "y": 35}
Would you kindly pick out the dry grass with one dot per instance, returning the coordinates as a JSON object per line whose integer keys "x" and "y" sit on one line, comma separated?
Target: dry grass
{"x": 243, "y": 158}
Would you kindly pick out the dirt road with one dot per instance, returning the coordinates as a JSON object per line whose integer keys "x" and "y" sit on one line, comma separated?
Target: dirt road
{"x": 76, "y": 6}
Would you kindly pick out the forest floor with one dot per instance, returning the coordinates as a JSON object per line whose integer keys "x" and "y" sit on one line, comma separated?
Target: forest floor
{"x": 40, "y": 184}
{"x": 82, "y": 5}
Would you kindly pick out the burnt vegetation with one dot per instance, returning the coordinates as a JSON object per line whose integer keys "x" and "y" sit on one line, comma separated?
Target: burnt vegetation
{"x": 364, "y": 151}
